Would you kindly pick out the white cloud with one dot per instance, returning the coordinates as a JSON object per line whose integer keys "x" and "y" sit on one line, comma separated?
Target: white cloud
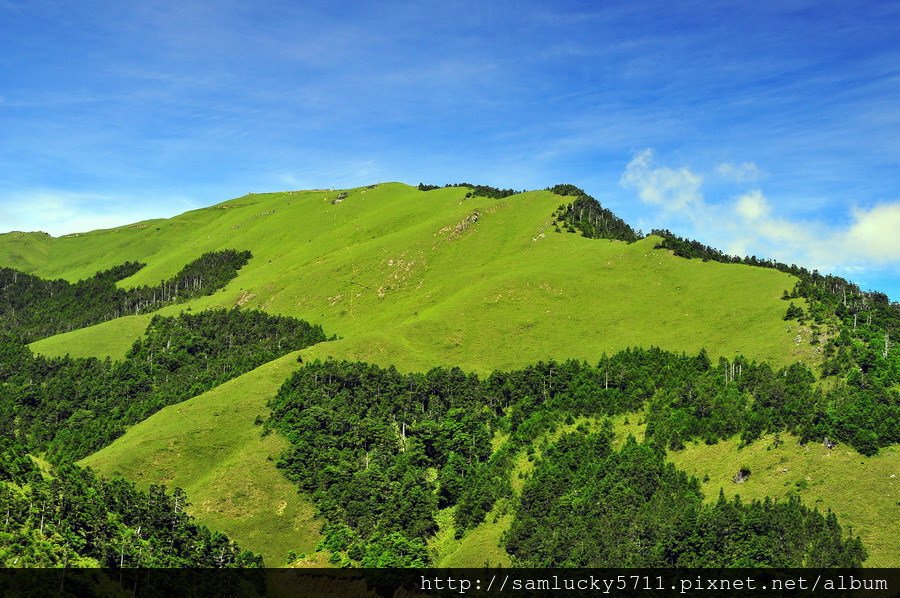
{"x": 675, "y": 190}
{"x": 747, "y": 172}
{"x": 871, "y": 240}
{"x": 750, "y": 225}
{"x": 753, "y": 205}
{"x": 874, "y": 234}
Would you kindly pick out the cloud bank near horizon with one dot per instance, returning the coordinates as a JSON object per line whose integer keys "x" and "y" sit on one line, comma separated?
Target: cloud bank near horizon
{"x": 60, "y": 213}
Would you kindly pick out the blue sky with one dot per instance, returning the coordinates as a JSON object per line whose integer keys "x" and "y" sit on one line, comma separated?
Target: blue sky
{"x": 771, "y": 130}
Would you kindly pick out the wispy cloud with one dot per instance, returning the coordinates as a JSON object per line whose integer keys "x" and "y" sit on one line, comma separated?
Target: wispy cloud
{"x": 747, "y": 223}
{"x": 746, "y": 172}
{"x": 673, "y": 190}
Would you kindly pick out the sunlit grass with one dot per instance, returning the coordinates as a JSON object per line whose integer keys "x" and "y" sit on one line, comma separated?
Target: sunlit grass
{"x": 860, "y": 490}
{"x": 210, "y": 446}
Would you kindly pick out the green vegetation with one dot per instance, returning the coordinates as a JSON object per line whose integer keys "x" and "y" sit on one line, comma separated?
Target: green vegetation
{"x": 381, "y": 452}
{"x": 858, "y": 323}
{"x": 72, "y": 407}
{"x": 411, "y": 460}
{"x": 389, "y": 273}
{"x": 110, "y": 339}
{"x": 859, "y": 489}
{"x": 210, "y": 447}
{"x": 589, "y": 506}
{"x": 474, "y": 190}
{"x": 588, "y": 216}
{"x": 33, "y": 308}
{"x": 479, "y": 547}
{"x": 72, "y": 518}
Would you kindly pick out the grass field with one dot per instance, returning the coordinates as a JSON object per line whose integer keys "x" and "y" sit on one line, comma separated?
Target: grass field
{"x": 209, "y": 446}
{"x": 414, "y": 279}
{"x": 110, "y": 339}
{"x": 859, "y": 489}
{"x": 480, "y": 547}
{"x": 408, "y": 278}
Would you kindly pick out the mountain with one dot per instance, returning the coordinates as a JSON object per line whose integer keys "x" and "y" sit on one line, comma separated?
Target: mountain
{"x": 446, "y": 277}
{"x": 416, "y": 279}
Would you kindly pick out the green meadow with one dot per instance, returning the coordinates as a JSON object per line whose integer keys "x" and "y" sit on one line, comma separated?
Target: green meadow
{"x": 210, "y": 447}
{"x": 416, "y": 279}
{"x": 110, "y": 339}
{"x": 862, "y": 491}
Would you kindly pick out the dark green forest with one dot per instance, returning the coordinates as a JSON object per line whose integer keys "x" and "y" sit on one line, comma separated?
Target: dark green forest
{"x": 33, "y": 308}
{"x": 587, "y": 505}
{"x": 380, "y": 452}
{"x": 585, "y": 214}
{"x": 475, "y": 190}
{"x": 66, "y": 408}
{"x": 69, "y": 408}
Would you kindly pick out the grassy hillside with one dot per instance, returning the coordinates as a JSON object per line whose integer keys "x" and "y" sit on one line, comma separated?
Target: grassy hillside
{"x": 425, "y": 278}
{"x": 210, "y": 447}
{"x": 413, "y": 279}
{"x": 25, "y": 251}
{"x": 861, "y": 490}
{"x": 110, "y": 339}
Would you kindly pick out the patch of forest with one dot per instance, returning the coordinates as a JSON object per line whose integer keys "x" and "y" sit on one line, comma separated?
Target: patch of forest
{"x": 72, "y": 518}
{"x": 475, "y": 190}
{"x": 587, "y": 505}
{"x": 380, "y": 452}
{"x": 65, "y": 408}
{"x": 68, "y": 408}
{"x": 33, "y": 308}
{"x": 585, "y": 214}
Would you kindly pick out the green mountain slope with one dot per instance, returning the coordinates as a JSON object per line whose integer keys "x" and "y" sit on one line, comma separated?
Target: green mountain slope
{"x": 859, "y": 489}
{"x": 412, "y": 279}
{"x": 110, "y": 339}
{"x": 209, "y": 446}
{"x": 426, "y": 278}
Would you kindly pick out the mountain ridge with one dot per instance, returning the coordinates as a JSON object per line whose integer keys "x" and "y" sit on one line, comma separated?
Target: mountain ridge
{"x": 377, "y": 264}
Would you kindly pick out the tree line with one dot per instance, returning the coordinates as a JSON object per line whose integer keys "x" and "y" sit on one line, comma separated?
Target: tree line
{"x": 475, "y": 190}
{"x": 34, "y": 308}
